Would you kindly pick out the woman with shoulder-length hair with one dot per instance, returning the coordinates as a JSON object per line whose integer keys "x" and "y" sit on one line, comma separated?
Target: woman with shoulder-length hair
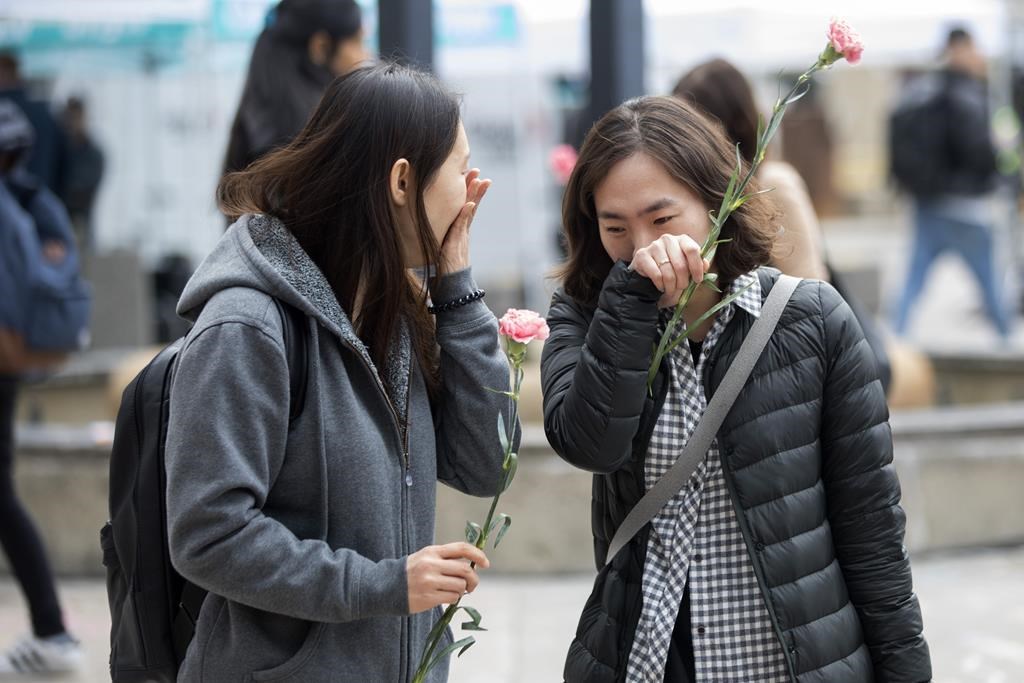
{"x": 314, "y": 535}
{"x": 781, "y": 558}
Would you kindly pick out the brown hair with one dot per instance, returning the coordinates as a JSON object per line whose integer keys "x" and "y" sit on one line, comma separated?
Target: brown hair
{"x": 330, "y": 187}
{"x": 695, "y": 152}
{"x": 718, "y": 89}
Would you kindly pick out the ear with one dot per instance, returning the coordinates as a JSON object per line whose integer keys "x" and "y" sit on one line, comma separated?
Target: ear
{"x": 400, "y": 183}
{"x": 319, "y": 47}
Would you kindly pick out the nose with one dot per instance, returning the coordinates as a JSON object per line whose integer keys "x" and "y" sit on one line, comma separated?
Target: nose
{"x": 641, "y": 237}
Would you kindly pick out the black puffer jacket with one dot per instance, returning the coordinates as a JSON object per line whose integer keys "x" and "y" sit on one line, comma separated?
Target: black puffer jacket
{"x": 807, "y": 455}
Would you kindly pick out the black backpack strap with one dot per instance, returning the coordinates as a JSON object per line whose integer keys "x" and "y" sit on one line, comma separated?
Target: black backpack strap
{"x": 295, "y": 344}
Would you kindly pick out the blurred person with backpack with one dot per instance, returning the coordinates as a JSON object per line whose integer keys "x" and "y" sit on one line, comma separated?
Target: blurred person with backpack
{"x": 305, "y": 45}
{"x": 36, "y": 253}
{"x": 302, "y": 460}
{"x": 47, "y": 160}
{"x": 942, "y": 154}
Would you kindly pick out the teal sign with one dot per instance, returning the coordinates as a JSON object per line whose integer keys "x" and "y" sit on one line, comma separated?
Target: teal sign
{"x": 56, "y": 36}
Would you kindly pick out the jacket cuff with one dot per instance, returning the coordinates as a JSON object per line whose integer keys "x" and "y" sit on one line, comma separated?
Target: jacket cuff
{"x": 452, "y": 286}
{"x": 384, "y": 590}
{"x": 623, "y": 281}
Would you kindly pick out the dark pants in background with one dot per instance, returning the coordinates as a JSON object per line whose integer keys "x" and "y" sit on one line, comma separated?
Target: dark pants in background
{"x": 18, "y": 535}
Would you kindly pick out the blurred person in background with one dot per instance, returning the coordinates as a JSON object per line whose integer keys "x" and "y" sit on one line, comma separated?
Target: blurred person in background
{"x": 83, "y": 171}
{"x": 721, "y": 91}
{"x": 306, "y": 45}
{"x": 46, "y": 161}
{"x": 718, "y": 89}
{"x": 24, "y": 239}
{"x": 942, "y": 154}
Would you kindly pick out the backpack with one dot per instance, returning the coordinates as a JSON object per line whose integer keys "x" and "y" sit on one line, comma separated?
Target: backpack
{"x": 920, "y": 153}
{"x": 57, "y": 301}
{"x": 153, "y": 609}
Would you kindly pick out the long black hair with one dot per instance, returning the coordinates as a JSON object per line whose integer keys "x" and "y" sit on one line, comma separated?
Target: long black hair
{"x": 283, "y": 85}
{"x": 330, "y": 187}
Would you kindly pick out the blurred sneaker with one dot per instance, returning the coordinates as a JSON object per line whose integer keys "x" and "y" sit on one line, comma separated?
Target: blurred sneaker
{"x": 32, "y": 656}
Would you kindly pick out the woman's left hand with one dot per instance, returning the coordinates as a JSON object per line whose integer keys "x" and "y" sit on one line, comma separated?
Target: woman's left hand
{"x": 455, "y": 248}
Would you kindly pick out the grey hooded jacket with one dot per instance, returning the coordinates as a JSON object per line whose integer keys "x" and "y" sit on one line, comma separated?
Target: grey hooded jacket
{"x": 301, "y": 535}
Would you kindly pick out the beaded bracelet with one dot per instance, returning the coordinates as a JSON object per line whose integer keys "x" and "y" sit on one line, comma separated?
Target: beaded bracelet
{"x": 461, "y": 301}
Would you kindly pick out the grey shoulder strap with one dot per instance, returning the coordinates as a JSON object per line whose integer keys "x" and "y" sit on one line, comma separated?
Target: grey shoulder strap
{"x": 697, "y": 446}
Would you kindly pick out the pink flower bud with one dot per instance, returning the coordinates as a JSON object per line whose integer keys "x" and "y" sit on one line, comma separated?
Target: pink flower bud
{"x": 562, "y": 160}
{"x": 523, "y": 326}
{"x": 845, "y": 40}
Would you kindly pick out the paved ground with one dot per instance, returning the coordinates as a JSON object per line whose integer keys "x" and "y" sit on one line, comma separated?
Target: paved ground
{"x": 973, "y": 607}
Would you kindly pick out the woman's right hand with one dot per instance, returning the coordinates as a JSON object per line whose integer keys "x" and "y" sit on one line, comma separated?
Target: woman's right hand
{"x": 671, "y": 262}
{"x": 440, "y": 574}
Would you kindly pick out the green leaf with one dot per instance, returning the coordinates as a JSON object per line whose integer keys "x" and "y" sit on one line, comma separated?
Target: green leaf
{"x": 473, "y": 532}
{"x": 468, "y": 644}
{"x": 710, "y": 312}
{"x": 501, "y": 393}
{"x": 440, "y": 626}
{"x": 747, "y": 197}
{"x": 497, "y": 520}
{"x": 734, "y": 177}
{"x": 760, "y": 127}
{"x": 773, "y": 126}
{"x": 474, "y": 624}
{"x": 803, "y": 91}
{"x": 502, "y": 433}
{"x": 507, "y": 522}
{"x": 461, "y": 646}
{"x": 510, "y": 471}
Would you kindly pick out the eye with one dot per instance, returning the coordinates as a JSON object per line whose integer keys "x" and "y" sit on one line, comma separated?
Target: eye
{"x": 614, "y": 230}
{"x": 664, "y": 219}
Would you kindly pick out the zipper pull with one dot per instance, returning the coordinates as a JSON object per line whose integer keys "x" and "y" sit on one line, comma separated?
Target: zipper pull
{"x": 408, "y": 476}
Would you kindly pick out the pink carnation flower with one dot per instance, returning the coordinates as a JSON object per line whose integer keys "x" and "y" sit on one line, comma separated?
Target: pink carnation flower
{"x": 523, "y": 326}
{"x": 562, "y": 160}
{"x": 845, "y": 40}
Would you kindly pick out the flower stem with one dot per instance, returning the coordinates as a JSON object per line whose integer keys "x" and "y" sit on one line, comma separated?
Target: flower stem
{"x": 442, "y": 624}
{"x": 733, "y": 199}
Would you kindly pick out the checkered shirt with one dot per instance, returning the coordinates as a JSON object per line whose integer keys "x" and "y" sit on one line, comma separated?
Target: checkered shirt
{"x": 696, "y": 537}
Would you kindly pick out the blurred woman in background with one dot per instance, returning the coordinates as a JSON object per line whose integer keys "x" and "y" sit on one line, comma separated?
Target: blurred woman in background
{"x": 306, "y": 45}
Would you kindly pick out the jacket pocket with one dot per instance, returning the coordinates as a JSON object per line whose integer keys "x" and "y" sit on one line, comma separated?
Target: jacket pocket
{"x": 291, "y": 668}
{"x": 126, "y": 645}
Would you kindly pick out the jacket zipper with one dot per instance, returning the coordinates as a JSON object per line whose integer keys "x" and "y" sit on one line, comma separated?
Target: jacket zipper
{"x": 406, "y": 664}
{"x": 745, "y": 529}
{"x": 403, "y": 439}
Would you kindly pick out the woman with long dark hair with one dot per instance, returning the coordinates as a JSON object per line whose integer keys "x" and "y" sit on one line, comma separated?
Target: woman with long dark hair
{"x": 314, "y": 536}
{"x": 781, "y": 557}
{"x": 305, "y": 45}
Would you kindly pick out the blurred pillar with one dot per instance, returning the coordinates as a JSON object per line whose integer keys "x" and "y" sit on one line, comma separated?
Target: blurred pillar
{"x": 406, "y": 32}
{"x": 616, "y": 54}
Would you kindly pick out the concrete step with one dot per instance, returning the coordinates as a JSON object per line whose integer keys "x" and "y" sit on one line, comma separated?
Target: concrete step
{"x": 962, "y": 471}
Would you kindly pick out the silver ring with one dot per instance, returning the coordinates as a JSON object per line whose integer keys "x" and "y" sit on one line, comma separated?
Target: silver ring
{"x": 665, "y": 262}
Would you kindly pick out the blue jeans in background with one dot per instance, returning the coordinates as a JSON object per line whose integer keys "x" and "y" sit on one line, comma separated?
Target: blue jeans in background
{"x": 937, "y": 231}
